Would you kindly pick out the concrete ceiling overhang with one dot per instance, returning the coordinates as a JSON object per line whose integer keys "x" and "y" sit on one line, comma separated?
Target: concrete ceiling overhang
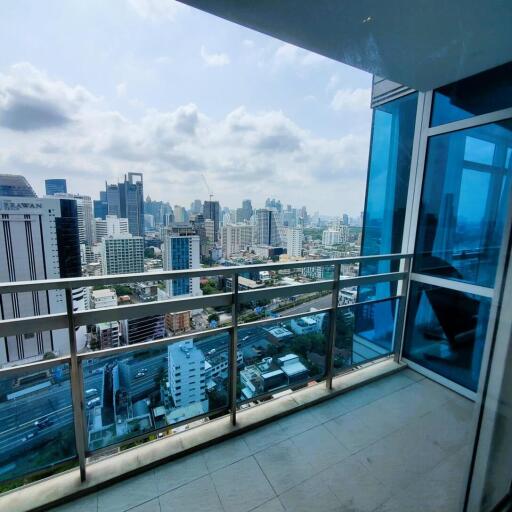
{"x": 422, "y": 44}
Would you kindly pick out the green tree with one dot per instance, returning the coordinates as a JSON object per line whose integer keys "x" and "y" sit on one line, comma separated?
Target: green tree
{"x": 214, "y": 317}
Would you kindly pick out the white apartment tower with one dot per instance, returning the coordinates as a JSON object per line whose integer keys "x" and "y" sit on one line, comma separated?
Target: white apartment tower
{"x": 122, "y": 254}
{"x": 236, "y": 238}
{"x": 110, "y": 226}
{"x": 294, "y": 240}
{"x": 186, "y": 373}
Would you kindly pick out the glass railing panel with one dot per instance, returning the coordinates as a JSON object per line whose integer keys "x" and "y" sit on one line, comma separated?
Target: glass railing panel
{"x": 364, "y": 332}
{"x": 287, "y": 303}
{"x": 281, "y": 355}
{"x": 137, "y": 392}
{"x": 36, "y": 429}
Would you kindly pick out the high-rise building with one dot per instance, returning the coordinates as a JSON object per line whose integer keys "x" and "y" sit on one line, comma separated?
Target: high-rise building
{"x": 186, "y": 373}
{"x": 211, "y": 210}
{"x": 236, "y": 238}
{"x": 38, "y": 240}
{"x": 122, "y": 254}
{"x": 126, "y": 199}
{"x": 267, "y": 227}
{"x": 159, "y": 210}
{"x": 332, "y": 236}
{"x": 85, "y": 217}
{"x": 294, "y": 240}
{"x": 180, "y": 252}
{"x": 13, "y": 185}
{"x": 110, "y": 226}
{"x": 345, "y": 219}
{"x": 196, "y": 207}
{"x": 55, "y": 186}
{"x": 247, "y": 210}
{"x": 180, "y": 214}
{"x": 100, "y": 206}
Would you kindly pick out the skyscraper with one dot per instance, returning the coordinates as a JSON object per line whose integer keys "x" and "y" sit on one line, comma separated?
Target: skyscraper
{"x": 267, "y": 227}
{"x": 181, "y": 252}
{"x": 101, "y": 206}
{"x": 294, "y": 239}
{"x": 126, "y": 199}
{"x": 211, "y": 210}
{"x": 30, "y": 230}
{"x": 55, "y": 186}
{"x": 247, "y": 210}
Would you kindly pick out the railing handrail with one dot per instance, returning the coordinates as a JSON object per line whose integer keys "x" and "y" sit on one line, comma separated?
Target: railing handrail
{"x": 78, "y": 282}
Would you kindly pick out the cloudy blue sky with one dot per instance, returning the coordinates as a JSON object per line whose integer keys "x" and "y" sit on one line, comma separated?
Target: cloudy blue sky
{"x": 91, "y": 90}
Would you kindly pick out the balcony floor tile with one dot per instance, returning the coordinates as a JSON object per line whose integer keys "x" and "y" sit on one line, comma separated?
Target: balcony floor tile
{"x": 384, "y": 447}
{"x": 242, "y": 486}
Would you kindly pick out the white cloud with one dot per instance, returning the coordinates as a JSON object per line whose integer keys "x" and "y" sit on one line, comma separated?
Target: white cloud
{"x": 249, "y": 43}
{"x": 351, "y": 100}
{"x": 288, "y": 54}
{"x": 214, "y": 59}
{"x": 157, "y": 10}
{"x": 250, "y": 154}
{"x": 121, "y": 89}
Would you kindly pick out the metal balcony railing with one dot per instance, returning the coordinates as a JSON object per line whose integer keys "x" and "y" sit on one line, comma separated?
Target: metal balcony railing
{"x": 84, "y": 364}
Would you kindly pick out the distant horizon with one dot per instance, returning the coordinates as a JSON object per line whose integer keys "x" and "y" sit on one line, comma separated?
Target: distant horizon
{"x": 176, "y": 93}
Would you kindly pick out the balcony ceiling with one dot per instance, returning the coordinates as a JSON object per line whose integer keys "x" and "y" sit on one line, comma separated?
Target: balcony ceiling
{"x": 419, "y": 43}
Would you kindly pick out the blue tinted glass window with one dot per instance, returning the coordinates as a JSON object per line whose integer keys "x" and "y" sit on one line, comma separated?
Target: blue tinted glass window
{"x": 463, "y": 206}
{"x": 388, "y": 181}
{"x": 446, "y": 332}
{"x": 364, "y": 332}
{"x": 479, "y": 94}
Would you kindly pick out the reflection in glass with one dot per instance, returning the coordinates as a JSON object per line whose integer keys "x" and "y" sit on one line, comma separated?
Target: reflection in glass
{"x": 446, "y": 332}
{"x": 364, "y": 332}
{"x": 37, "y": 430}
{"x": 286, "y": 354}
{"x": 463, "y": 206}
{"x": 388, "y": 181}
{"x": 478, "y": 94}
{"x": 140, "y": 391}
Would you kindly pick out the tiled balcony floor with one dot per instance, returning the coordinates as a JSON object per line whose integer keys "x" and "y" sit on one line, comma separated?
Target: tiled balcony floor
{"x": 398, "y": 444}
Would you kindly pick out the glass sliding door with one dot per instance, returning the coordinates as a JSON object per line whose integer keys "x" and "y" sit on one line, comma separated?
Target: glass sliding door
{"x": 462, "y": 211}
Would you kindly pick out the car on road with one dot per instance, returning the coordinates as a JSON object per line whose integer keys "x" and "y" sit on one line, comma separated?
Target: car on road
{"x": 43, "y": 423}
{"x": 90, "y": 392}
{"x": 92, "y": 403}
{"x": 141, "y": 373}
{"x": 29, "y": 436}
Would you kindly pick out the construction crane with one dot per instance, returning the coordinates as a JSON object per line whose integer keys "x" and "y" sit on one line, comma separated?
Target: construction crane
{"x": 207, "y": 186}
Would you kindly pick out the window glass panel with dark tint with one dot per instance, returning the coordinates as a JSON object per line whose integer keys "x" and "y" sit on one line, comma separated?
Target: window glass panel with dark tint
{"x": 463, "y": 206}
{"x": 479, "y": 94}
{"x": 388, "y": 181}
{"x": 446, "y": 332}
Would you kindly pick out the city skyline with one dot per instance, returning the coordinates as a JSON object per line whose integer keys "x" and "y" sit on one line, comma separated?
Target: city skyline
{"x": 275, "y": 120}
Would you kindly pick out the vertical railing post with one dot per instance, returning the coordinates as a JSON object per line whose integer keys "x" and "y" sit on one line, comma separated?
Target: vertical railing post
{"x": 76, "y": 387}
{"x": 402, "y": 308}
{"x": 233, "y": 348}
{"x": 329, "y": 362}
